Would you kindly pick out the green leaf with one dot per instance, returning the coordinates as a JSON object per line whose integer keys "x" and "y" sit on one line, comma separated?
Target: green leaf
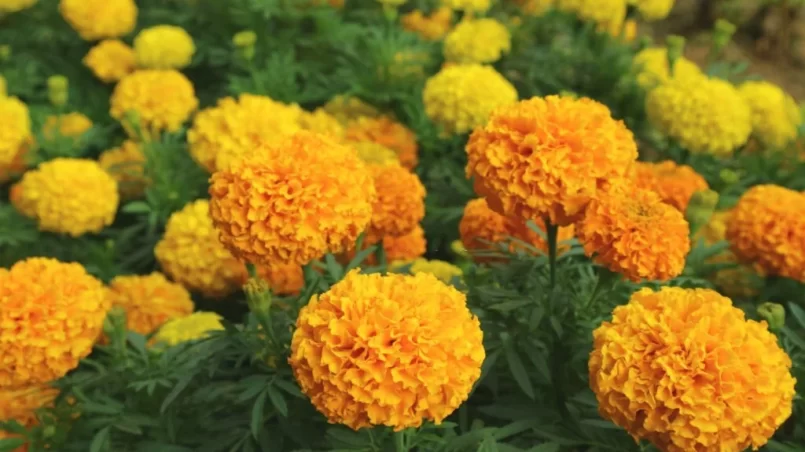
{"x": 11, "y": 444}
{"x": 277, "y": 400}
{"x": 599, "y": 423}
{"x": 136, "y": 207}
{"x": 793, "y": 337}
{"x": 360, "y": 257}
{"x": 545, "y": 447}
{"x": 332, "y": 267}
{"x": 488, "y": 445}
{"x": 799, "y": 314}
{"x": 101, "y": 441}
{"x": 776, "y": 446}
{"x": 508, "y": 306}
{"x": 256, "y": 423}
{"x": 518, "y": 370}
{"x": 290, "y": 388}
{"x": 177, "y": 389}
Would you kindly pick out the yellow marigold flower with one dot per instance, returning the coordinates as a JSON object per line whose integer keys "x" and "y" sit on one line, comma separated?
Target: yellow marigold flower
{"x": 320, "y": 121}
{"x": 70, "y": 125}
{"x": 708, "y": 116}
{"x": 468, "y": 6}
{"x": 399, "y": 205}
{"x": 111, "y": 60}
{"x": 387, "y": 132}
{"x": 15, "y": 128}
{"x": 68, "y": 196}
{"x": 775, "y": 115}
{"x": 20, "y": 404}
{"x": 347, "y": 109}
{"x": 608, "y": 15}
{"x": 375, "y": 154}
{"x": 620, "y": 231}
{"x": 444, "y": 271}
{"x": 164, "y": 47}
{"x": 74, "y": 304}
{"x": 653, "y": 10}
{"x": 292, "y": 202}
{"x": 126, "y": 164}
{"x": 431, "y": 27}
{"x": 767, "y": 228}
{"x": 13, "y": 6}
{"x": 195, "y": 326}
{"x": 535, "y": 7}
{"x": 675, "y": 184}
{"x": 284, "y": 279}
{"x": 405, "y": 247}
{"x": 351, "y": 352}
{"x": 149, "y": 301}
{"x": 477, "y": 41}
{"x": 223, "y": 134}
{"x": 651, "y": 66}
{"x": 191, "y": 254}
{"x": 460, "y": 98}
{"x": 161, "y": 99}
{"x": 684, "y": 369}
{"x": 547, "y": 157}
{"x": 99, "y": 19}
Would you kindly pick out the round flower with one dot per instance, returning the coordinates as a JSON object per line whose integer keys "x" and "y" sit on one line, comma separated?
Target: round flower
{"x": 20, "y": 404}
{"x": 320, "y": 121}
{"x": 547, "y": 157}
{"x": 375, "y": 154}
{"x": 400, "y": 202}
{"x": 387, "y": 350}
{"x": 70, "y": 125}
{"x": 675, "y": 184}
{"x": 708, "y": 116}
{"x": 163, "y": 47}
{"x": 15, "y": 128}
{"x": 13, "y": 6}
{"x": 197, "y": 325}
{"x": 405, "y": 247}
{"x": 653, "y": 10}
{"x": 651, "y": 66}
{"x": 161, "y": 99}
{"x": 149, "y": 301}
{"x": 477, "y": 41}
{"x": 68, "y": 196}
{"x": 444, "y": 271}
{"x": 460, "y": 97}
{"x": 347, "y": 109}
{"x": 683, "y": 369}
{"x": 99, "y": 19}
{"x": 387, "y": 132}
{"x": 468, "y": 6}
{"x": 191, "y": 254}
{"x": 283, "y": 279}
{"x": 775, "y": 115}
{"x": 223, "y": 134}
{"x": 535, "y": 7}
{"x": 608, "y": 15}
{"x": 430, "y": 27}
{"x": 767, "y": 228}
{"x": 126, "y": 164}
{"x": 74, "y": 304}
{"x": 111, "y": 60}
{"x": 292, "y": 202}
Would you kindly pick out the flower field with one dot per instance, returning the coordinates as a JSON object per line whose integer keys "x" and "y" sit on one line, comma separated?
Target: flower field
{"x": 394, "y": 225}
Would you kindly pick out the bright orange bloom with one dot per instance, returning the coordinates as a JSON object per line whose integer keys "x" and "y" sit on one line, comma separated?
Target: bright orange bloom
{"x": 675, "y": 184}
{"x": 149, "y": 301}
{"x": 283, "y": 279}
{"x": 389, "y": 133}
{"x": 400, "y": 202}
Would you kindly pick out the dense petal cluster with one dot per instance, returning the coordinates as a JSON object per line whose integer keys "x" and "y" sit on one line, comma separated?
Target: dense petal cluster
{"x": 400, "y": 202}
{"x": 386, "y": 131}
{"x": 608, "y": 15}
{"x": 708, "y": 116}
{"x": 460, "y": 98}
{"x": 651, "y": 65}
{"x": 70, "y": 125}
{"x": 292, "y": 202}
{"x": 405, "y": 247}
{"x": 320, "y": 121}
{"x": 683, "y": 369}
{"x": 468, "y": 6}
{"x": 149, "y": 300}
{"x": 20, "y": 404}
{"x": 477, "y": 41}
{"x": 99, "y": 19}
{"x": 675, "y": 184}
{"x": 653, "y": 10}
{"x": 126, "y": 164}
{"x": 13, "y": 6}
{"x": 191, "y": 254}
{"x": 431, "y": 27}
{"x": 283, "y": 279}
{"x": 15, "y": 128}
{"x": 767, "y": 228}
{"x": 197, "y": 325}
{"x": 111, "y": 60}
{"x": 67, "y": 196}
{"x": 546, "y": 157}
{"x": 375, "y": 154}
{"x": 73, "y": 305}
{"x": 387, "y": 350}
{"x": 444, "y": 271}
{"x": 633, "y": 232}
{"x": 164, "y": 47}
{"x": 775, "y": 115}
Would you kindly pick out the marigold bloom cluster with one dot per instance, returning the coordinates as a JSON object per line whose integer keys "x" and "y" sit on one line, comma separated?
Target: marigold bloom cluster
{"x": 547, "y": 157}
{"x": 608, "y": 15}
{"x": 387, "y": 132}
{"x": 775, "y": 115}
{"x": 653, "y": 10}
{"x": 652, "y": 68}
{"x": 197, "y": 325}
{"x": 164, "y": 47}
{"x": 111, "y": 60}
{"x": 283, "y": 279}
{"x": 99, "y": 19}
{"x": 352, "y": 352}
{"x": 149, "y": 300}
{"x": 375, "y": 154}
{"x": 477, "y": 41}
{"x": 683, "y": 369}
{"x": 400, "y": 202}
{"x": 13, "y": 6}
{"x": 20, "y": 404}
{"x": 675, "y": 184}
{"x": 405, "y": 247}
{"x": 431, "y": 27}
{"x": 292, "y": 202}
{"x": 191, "y": 254}
{"x": 15, "y": 128}
{"x": 70, "y": 125}
{"x": 126, "y": 164}
{"x": 708, "y": 116}
{"x": 460, "y": 98}
{"x": 67, "y": 196}
{"x": 74, "y": 304}
{"x": 468, "y": 6}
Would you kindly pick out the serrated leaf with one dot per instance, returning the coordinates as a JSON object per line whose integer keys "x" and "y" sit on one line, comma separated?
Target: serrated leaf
{"x": 277, "y": 400}
{"x": 100, "y": 442}
{"x": 256, "y": 423}
{"x": 776, "y": 446}
{"x": 518, "y": 370}
{"x": 508, "y": 306}
{"x": 177, "y": 389}
{"x": 488, "y": 445}
{"x": 289, "y": 388}
{"x": 798, "y": 313}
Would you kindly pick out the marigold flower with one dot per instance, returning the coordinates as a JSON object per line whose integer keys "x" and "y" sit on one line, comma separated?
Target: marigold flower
{"x": 292, "y": 202}
{"x": 126, "y": 164}
{"x": 99, "y": 19}
{"x": 775, "y": 115}
{"x": 20, "y": 404}
{"x": 164, "y": 47}
{"x": 320, "y": 121}
{"x": 400, "y": 202}
{"x": 149, "y": 301}
{"x": 620, "y": 230}
{"x": 431, "y": 27}
{"x": 608, "y": 15}
{"x": 352, "y": 351}
{"x": 675, "y": 184}
{"x": 195, "y": 326}
{"x": 70, "y": 125}
{"x": 283, "y": 279}
{"x": 191, "y": 254}
{"x": 375, "y": 154}
{"x": 111, "y": 60}
{"x": 767, "y": 228}
{"x": 17, "y": 166}
{"x": 15, "y": 128}
{"x": 477, "y": 41}
{"x": 468, "y": 6}
{"x": 460, "y": 98}
{"x": 444, "y": 271}
{"x": 535, "y": 7}
{"x": 684, "y": 369}
{"x": 33, "y": 351}
{"x": 405, "y": 247}
{"x": 653, "y": 10}
{"x": 67, "y": 196}
{"x": 387, "y": 132}
{"x": 13, "y": 6}
{"x": 547, "y": 157}
{"x": 651, "y": 66}
{"x": 161, "y": 99}
{"x": 708, "y": 116}
{"x": 347, "y": 109}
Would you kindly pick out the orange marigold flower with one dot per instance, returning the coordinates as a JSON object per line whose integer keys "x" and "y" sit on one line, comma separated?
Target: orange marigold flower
{"x": 20, "y": 404}
{"x": 547, "y": 157}
{"x": 74, "y": 304}
{"x": 389, "y": 133}
{"x": 431, "y": 27}
{"x": 405, "y": 247}
{"x": 126, "y": 164}
{"x": 675, "y": 184}
{"x": 191, "y": 254}
{"x": 292, "y": 202}
{"x": 149, "y": 301}
{"x": 400, "y": 202}
{"x": 111, "y": 60}
{"x": 767, "y": 228}
{"x": 284, "y": 279}
{"x": 635, "y": 233}
{"x": 684, "y": 369}
{"x": 387, "y": 350}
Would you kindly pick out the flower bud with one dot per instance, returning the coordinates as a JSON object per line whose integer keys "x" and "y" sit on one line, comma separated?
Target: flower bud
{"x": 700, "y": 208}
{"x": 258, "y": 295}
{"x": 728, "y": 176}
{"x": 722, "y": 34}
{"x": 772, "y": 313}
{"x": 58, "y": 90}
{"x": 676, "y": 46}
{"x": 244, "y": 42}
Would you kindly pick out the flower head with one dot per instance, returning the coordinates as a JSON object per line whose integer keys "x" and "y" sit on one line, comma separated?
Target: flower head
{"x": 651, "y": 65}
{"x": 477, "y": 41}
{"x": 20, "y": 404}
{"x": 375, "y": 154}
{"x": 13, "y": 6}
{"x": 431, "y": 27}
{"x": 468, "y": 6}
{"x": 535, "y": 7}
{"x": 126, "y": 164}
{"x": 111, "y": 60}
{"x": 684, "y": 369}
{"x": 283, "y": 279}
{"x": 15, "y": 128}
{"x": 69, "y": 125}
{"x": 653, "y": 10}
{"x": 320, "y": 121}
{"x": 385, "y": 131}
{"x": 74, "y": 303}
{"x": 400, "y": 202}
{"x": 164, "y": 47}
{"x": 675, "y": 184}
{"x": 405, "y": 247}
{"x": 608, "y": 15}
{"x": 197, "y": 325}
{"x": 775, "y": 115}
{"x": 99, "y": 19}
{"x": 149, "y": 301}
{"x": 387, "y": 350}
{"x": 444, "y": 271}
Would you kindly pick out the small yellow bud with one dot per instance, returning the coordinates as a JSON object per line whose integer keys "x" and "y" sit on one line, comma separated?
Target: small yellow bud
{"x": 459, "y": 249}
{"x": 258, "y": 295}
{"x": 244, "y": 42}
{"x": 676, "y": 47}
{"x": 772, "y": 313}
{"x": 58, "y": 88}
{"x": 722, "y": 34}
{"x": 700, "y": 209}
{"x": 728, "y": 176}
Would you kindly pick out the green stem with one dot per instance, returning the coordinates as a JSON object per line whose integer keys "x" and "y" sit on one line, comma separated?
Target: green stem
{"x": 399, "y": 441}
{"x": 552, "y": 232}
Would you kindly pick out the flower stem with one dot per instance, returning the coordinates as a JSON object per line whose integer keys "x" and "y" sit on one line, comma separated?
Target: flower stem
{"x": 399, "y": 441}
{"x": 552, "y": 231}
